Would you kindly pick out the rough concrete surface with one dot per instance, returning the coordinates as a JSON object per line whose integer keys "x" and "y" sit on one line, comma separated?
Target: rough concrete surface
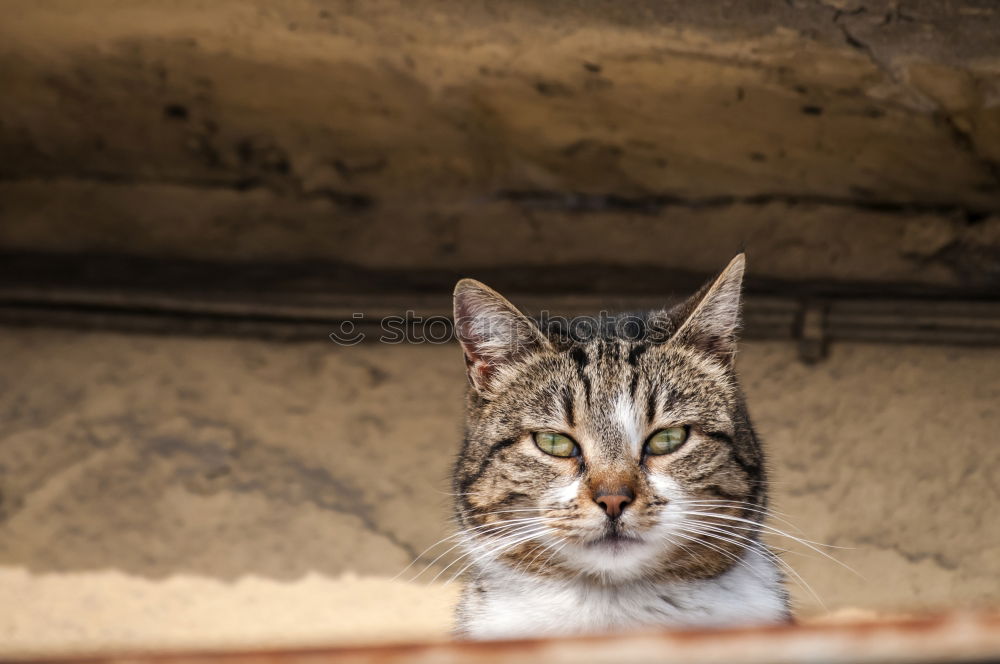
{"x": 458, "y": 133}
{"x": 162, "y": 490}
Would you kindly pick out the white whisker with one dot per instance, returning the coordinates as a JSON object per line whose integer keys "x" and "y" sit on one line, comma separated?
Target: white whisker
{"x": 750, "y": 507}
{"x": 727, "y": 536}
{"x": 501, "y": 547}
{"x": 483, "y": 530}
{"x": 775, "y": 531}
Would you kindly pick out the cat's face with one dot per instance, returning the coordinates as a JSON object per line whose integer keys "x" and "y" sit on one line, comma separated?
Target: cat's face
{"x": 620, "y": 456}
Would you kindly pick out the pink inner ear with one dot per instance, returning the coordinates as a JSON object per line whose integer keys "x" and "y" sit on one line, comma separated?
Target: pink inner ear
{"x": 477, "y": 369}
{"x": 483, "y": 369}
{"x": 491, "y": 330}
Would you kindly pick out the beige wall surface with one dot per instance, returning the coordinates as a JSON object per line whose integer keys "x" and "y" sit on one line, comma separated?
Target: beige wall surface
{"x": 184, "y": 491}
{"x": 458, "y": 133}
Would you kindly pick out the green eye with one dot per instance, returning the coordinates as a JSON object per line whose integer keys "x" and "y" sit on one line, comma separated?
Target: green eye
{"x": 555, "y": 444}
{"x": 666, "y": 441}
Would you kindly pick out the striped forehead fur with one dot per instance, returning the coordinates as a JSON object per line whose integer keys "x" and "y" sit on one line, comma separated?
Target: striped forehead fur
{"x": 685, "y": 517}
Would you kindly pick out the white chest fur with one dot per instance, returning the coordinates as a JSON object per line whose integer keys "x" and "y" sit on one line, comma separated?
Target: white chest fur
{"x": 506, "y": 604}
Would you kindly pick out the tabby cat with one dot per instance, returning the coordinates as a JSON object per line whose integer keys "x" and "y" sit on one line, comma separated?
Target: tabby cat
{"x": 610, "y": 479}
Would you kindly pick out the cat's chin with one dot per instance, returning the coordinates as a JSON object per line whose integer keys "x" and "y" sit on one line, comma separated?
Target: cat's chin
{"x": 613, "y": 557}
{"x": 614, "y": 543}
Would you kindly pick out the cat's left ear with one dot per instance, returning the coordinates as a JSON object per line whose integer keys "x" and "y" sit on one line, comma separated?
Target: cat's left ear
{"x": 714, "y": 313}
{"x": 493, "y": 333}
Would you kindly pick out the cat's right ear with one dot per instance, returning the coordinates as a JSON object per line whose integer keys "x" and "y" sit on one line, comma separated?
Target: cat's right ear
{"x": 493, "y": 333}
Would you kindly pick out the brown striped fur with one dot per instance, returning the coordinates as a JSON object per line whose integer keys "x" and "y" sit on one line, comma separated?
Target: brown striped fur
{"x": 671, "y": 367}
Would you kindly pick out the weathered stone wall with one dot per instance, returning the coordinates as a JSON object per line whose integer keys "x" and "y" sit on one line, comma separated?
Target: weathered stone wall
{"x": 839, "y": 139}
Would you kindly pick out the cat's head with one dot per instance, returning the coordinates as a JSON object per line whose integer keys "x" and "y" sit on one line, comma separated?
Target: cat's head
{"x": 622, "y": 452}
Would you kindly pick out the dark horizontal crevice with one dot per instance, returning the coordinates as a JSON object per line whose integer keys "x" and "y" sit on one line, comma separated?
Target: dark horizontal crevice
{"x": 567, "y": 201}
{"x": 310, "y": 300}
{"x": 654, "y": 203}
{"x": 898, "y": 321}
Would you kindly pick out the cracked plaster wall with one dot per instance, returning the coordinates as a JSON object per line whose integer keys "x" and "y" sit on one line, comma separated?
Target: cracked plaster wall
{"x": 851, "y": 140}
{"x": 160, "y": 490}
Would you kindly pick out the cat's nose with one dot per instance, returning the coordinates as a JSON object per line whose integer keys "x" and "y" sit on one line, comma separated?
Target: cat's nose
{"x": 614, "y": 502}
